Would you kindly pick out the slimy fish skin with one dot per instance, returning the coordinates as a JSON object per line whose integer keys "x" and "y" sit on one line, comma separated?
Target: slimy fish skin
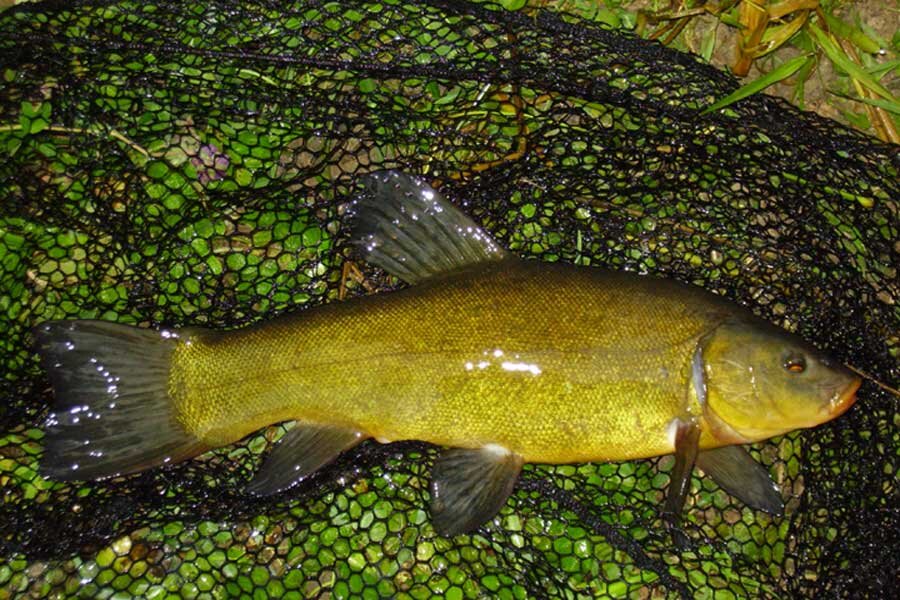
{"x": 501, "y": 360}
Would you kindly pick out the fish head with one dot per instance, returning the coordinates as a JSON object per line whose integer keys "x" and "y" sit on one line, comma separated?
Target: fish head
{"x": 760, "y": 381}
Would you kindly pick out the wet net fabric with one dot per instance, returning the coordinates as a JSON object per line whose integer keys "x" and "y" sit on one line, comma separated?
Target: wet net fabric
{"x": 172, "y": 163}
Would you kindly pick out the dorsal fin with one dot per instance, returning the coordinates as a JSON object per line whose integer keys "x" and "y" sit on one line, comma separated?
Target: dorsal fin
{"x": 407, "y": 228}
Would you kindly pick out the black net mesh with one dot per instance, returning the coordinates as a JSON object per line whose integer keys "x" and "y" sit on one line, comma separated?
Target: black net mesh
{"x": 186, "y": 163}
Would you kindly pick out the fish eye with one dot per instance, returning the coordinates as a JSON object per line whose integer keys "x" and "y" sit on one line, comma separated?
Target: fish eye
{"x": 795, "y": 363}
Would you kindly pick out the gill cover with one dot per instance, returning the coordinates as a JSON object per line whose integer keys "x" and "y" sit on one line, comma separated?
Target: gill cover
{"x": 760, "y": 381}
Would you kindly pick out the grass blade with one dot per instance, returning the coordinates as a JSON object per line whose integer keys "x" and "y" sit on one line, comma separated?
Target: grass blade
{"x": 851, "y": 68}
{"x": 774, "y": 76}
{"x": 880, "y": 70}
{"x": 848, "y": 32}
{"x": 888, "y": 106}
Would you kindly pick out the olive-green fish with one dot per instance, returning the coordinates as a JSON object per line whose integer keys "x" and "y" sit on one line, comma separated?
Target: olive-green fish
{"x": 502, "y": 360}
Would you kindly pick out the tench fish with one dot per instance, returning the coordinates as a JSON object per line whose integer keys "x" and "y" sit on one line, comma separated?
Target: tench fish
{"x": 501, "y": 360}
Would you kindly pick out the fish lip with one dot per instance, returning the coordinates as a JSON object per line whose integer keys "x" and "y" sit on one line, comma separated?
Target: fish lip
{"x": 842, "y": 402}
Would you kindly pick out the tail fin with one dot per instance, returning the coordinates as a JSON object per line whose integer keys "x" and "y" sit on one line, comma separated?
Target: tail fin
{"x": 113, "y": 413}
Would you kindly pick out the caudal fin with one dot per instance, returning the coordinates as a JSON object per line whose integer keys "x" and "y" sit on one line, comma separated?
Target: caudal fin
{"x": 113, "y": 413}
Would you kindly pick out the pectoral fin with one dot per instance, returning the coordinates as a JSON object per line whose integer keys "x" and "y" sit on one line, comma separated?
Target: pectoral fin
{"x": 742, "y": 477}
{"x": 468, "y": 487}
{"x": 687, "y": 438}
{"x": 687, "y": 444}
{"x": 302, "y": 451}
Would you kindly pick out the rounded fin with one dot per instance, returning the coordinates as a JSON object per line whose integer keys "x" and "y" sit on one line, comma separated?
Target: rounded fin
{"x": 470, "y": 486}
{"x": 301, "y": 452}
{"x": 410, "y": 230}
{"x": 742, "y": 477}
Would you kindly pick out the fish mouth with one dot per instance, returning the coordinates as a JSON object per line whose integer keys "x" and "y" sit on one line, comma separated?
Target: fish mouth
{"x": 841, "y": 403}
{"x": 842, "y": 398}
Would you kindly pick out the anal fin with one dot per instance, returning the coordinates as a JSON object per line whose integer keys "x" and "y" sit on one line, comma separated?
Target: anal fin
{"x": 742, "y": 477}
{"x": 302, "y": 451}
{"x": 470, "y": 486}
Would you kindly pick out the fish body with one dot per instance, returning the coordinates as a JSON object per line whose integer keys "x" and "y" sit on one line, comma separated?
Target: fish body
{"x": 554, "y": 362}
{"x": 503, "y": 360}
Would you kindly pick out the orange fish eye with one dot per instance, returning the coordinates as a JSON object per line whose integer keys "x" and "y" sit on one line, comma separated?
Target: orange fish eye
{"x": 795, "y": 364}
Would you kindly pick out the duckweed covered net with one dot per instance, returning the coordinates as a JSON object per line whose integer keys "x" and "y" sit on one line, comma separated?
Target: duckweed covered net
{"x": 186, "y": 163}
